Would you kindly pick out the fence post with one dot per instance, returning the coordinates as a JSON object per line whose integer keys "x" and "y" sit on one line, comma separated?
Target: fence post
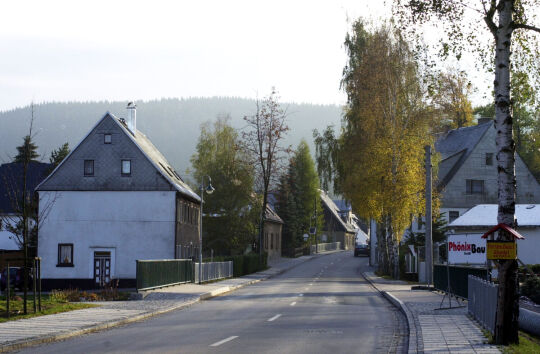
{"x": 39, "y": 281}
{"x": 8, "y": 286}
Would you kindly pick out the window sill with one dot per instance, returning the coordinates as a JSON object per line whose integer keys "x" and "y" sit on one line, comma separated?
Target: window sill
{"x": 65, "y": 265}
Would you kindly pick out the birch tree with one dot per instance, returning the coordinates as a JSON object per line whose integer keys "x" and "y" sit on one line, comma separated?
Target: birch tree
{"x": 513, "y": 30}
{"x": 511, "y": 26}
{"x": 386, "y": 126}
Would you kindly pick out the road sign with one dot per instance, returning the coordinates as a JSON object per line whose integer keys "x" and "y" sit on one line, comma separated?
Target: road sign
{"x": 312, "y": 230}
{"x": 501, "y": 250}
{"x": 306, "y": 236}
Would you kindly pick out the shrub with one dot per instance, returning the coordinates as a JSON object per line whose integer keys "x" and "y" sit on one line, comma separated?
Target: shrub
{"x": 531, "y": 289}
{"x": 244, "y": 264}
{"x": 67, "y": 295}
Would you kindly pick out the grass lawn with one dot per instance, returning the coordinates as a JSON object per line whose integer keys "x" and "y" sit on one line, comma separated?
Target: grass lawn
{"x": 528, "y": 344}
{"x": 48, "y": 307}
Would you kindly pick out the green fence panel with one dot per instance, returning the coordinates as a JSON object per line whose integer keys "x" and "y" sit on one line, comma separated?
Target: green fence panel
{"x": 459, "y": 276}
{"x": 153, "y": 274}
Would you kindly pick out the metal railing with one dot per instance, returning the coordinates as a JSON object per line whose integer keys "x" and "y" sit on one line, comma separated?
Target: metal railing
{"x": 213, "y": 271}
{"x": 482, "y": 301}
{"x": 152, "y": 274}
{"x": 323, "y": 247}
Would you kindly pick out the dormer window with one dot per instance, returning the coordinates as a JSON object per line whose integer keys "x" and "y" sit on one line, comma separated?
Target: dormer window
{"x": 126, "y": 167}
{"x": 107, "y": 138}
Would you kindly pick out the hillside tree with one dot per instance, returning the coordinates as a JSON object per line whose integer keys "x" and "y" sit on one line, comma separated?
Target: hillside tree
{"x": 511, "y": 28}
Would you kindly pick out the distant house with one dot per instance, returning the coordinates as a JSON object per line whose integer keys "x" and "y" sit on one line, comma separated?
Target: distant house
{"x": 481, "y": 218}
{"x": 273, "y": 225}
{"x": 338, "y": 226}
{"x": 468, "y": 170}
{"x": 11, "y": 191}
{"x": 117, "y": 200}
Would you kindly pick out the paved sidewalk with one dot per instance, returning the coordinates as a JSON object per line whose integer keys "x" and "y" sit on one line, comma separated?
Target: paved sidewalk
{"x": 21, "y": 333}
{"x": 430, "y": 329}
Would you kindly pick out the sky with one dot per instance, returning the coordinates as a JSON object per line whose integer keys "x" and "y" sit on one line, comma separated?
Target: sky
{"x": 139, "y": 50}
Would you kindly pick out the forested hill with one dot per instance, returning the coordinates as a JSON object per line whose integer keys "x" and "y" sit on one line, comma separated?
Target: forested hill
{"x": 173, "y": 125}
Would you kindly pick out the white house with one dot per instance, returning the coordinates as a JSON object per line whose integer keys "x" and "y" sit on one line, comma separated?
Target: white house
{"x": 479, "y": 219}
{"x": 116, "y": 199}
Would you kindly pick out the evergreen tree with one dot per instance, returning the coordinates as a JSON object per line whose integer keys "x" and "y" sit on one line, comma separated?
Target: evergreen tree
{"x": 58, "y": 155}
{"x": 27, "y": 152}
{"x": 298, "y": 198}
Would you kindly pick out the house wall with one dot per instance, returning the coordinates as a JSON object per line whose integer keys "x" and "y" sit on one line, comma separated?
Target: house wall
{"x": 454, "y": 194}
{"x": 527, "y": 249}
{"x": 131, "y": 225}
{"x": 272, "y": 239}
{"x": 187, "y": 228}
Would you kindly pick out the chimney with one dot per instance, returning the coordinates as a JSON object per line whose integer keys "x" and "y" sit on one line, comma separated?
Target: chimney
{"x": 484, "y": 120}
{"x": 131, "y": 119}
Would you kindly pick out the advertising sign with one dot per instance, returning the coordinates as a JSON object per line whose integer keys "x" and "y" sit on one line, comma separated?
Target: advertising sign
{"x": 466, "y": 249}
{"x": 501, "y": 250}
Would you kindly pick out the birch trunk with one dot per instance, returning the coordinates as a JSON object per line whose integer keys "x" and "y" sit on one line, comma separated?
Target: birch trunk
{"x": 506, "y": 327}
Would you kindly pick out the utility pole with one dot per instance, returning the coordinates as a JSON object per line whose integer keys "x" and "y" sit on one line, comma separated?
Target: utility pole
{"x": 429, "y": 240}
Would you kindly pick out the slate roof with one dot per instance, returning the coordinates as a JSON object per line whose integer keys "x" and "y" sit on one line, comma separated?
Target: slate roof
{"x": 458, "y": 144}
{"x": 329, "y": 204}
{"x": 271, "y": 215}
{"x": 11, "y": 182}
{"x": 485, "y": 216}
{"x": 159, "y": 161}
{"x": 148, "y": 149}
{"x": 343, "y": 205}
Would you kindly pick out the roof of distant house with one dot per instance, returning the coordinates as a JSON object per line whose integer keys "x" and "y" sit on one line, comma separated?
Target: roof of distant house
{"x": 11, "y": 182}
{"x": 335, "y": 211}
{"x": 342, "y": 204}
{"x": 458, "y": 143}
{"x": 485, "y": 215}
{"x": 271, "y": 215}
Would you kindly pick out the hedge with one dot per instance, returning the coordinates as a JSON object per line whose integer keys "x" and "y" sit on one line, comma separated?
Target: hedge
{"x": 244, "y": 264}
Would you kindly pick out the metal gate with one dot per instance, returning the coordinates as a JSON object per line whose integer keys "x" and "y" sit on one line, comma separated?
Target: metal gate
{"x": 102, "y": 268}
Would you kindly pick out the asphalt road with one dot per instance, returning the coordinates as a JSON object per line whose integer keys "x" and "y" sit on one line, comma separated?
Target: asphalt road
{"x": 321, "y": 306}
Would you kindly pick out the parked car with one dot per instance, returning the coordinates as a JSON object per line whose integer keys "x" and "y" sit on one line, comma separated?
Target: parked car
{"x": 361, "y": 248}
{"x": 16, "y": 278}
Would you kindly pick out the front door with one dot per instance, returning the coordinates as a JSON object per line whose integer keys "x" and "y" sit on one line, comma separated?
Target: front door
{"x": 102, "y": 268}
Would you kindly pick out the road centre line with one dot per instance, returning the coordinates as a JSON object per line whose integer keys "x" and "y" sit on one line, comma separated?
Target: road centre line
{"x": 217, "y": 344}
{"x": 293, "y": 303}
{"x": 274, "y": 318}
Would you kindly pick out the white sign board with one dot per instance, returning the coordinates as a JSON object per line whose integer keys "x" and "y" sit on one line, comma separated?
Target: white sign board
{"x": 466, "y": 249}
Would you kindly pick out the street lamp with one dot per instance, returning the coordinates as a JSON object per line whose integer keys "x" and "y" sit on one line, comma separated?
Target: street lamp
{"x": 209, "y": 189}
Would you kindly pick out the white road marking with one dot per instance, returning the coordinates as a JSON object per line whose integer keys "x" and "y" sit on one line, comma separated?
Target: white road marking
{"x": 293, "y": 303}
{"x": 310, "y": 284}
{"x": 217, "y": 344}
{"x": 274, "y": 318}
{"x": 300, "y": 294}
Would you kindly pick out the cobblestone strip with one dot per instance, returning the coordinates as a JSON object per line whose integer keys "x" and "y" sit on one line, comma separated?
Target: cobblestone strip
{"x": 453, "y": 334}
